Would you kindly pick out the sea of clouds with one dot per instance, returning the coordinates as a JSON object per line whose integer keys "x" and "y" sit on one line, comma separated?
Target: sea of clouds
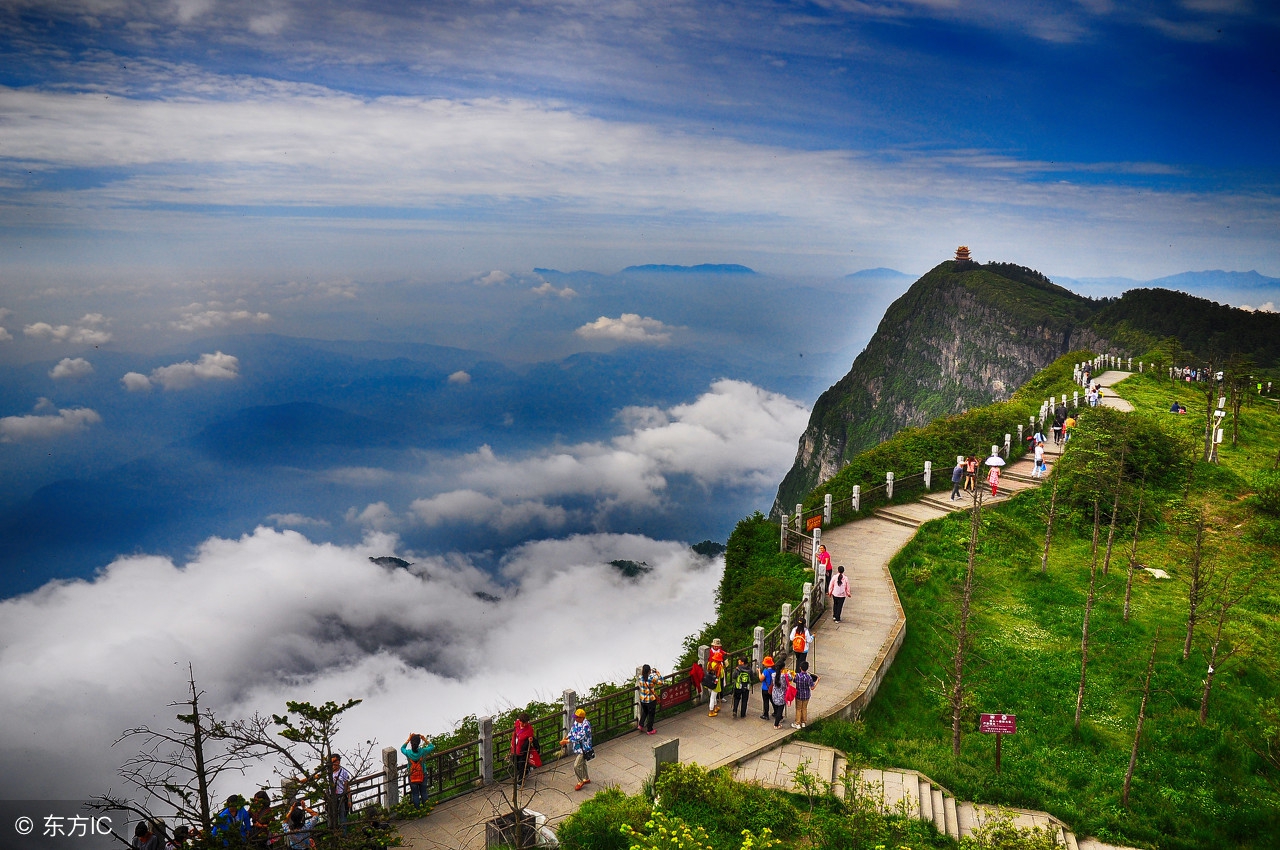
{"x": 274, "y": 616}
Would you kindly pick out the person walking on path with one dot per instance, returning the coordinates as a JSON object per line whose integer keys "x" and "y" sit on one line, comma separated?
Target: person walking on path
{"x": 824, "y": 560}
{"x": 740, "y": 680}
{"x": 647, "y": 685}
{"x": 766, "y": 675}
{"x": 970, "y": 473}
{"x": 957, "y": 477}
{"x": 419, "y": 776}
{"x": 1067, "y": 425}
{"x": 993, "y": 478}
{"x": 801, "y": 641}
{"x": 1038, "y": 469}
{"x": 522, "y": 737}
{"x": 579, "y": 742}
{"x": 838, "y": 590}
{"x": 804, "y": 683}
{"x": 778, "y": 683}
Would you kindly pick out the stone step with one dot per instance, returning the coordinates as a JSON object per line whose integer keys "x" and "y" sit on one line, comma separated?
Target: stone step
{"x": 953, "y": 818}
{"x": 966, "y": 819}
{"x": 926, "y": 799}
{"x": 1069, "y": 838}
{"x": 940, "y": 503}
{"x": 897, "y": 519}
{"x": 838, "y": 767}
{"x": 901, "y": 793}
{"x": 939, "y": 810}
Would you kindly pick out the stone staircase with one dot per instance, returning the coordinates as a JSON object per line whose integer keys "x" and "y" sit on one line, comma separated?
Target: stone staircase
{"x": 899, "y": 792}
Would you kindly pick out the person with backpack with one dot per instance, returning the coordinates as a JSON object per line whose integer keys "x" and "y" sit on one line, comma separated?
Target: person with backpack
{"x": 839, "y": 591}
{"x": 801, "y": 640}
{"x": 713, "y": 684}
{"x": 740, "y": 681}
{"x": 779, "y": 681}
{"x": 419, "y": 776}
{"x": 804, "y": 682}
{"x": 766, "y": 670}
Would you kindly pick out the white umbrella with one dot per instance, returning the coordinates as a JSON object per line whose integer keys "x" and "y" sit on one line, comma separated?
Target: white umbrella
{"x": 995, "y": 460}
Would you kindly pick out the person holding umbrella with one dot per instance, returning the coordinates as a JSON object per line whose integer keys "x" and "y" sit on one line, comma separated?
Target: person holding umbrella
{"x": 993, "y": 477}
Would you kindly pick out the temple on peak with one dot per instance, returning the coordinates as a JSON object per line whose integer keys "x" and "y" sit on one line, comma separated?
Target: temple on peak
{"x": 962, "y": 254}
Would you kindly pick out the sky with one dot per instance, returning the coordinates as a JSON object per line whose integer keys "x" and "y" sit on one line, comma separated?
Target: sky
{"x": 290, "y": 285}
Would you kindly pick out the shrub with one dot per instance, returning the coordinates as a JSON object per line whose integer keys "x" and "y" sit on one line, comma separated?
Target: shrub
{"x": 1266, "y": 484}
{"x": 596, "y": 825}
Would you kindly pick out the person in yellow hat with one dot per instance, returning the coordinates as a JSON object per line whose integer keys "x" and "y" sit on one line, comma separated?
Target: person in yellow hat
{"x": 579, "y": 741}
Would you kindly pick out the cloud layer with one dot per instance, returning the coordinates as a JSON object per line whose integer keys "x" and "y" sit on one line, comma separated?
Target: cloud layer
{"x": 44, "y": 426}
{"x": 83, "y": 660}
{"x": 181, "y": 376}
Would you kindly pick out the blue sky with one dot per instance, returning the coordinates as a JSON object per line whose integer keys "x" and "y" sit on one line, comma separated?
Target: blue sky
{"x": 443, "y": 139}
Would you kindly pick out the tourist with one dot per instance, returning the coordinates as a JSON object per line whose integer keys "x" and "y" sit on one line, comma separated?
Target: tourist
{"x": 824, "y": 560}
{"x": 341, "y": 789}
{"x": 993, "y": 478}
{"x": 579, "y": 742}
{"x": 838, "y": 590}
{"x": 180, "y": 839}
{"x": 145, "y": 839}
{"x": 740, "y": 681}
{"x": 696, "y": 675}
{"x": 716, "y": 654}
{"x": 232, "y": 818}
{"x": 766, "y": 677}
{"x": 801, "y": 640}
{"x": 522, "y": 746}
{"x": 713, "y": 683}
{"x": 648, "y": 684}
{"x": 804, "y": 683}
{"x": 970, "y": 473}
{"x": 957, "y": 478}
{"x": 1059, "y": 417}
{"x": 260, "y": 816}
{"x": 419, "y": 775}
{"x": 1067, "y": 425}
{"x": 300, "y": 825}
{"x": 778, "y": 684}
{"x": 1039, "y": 461}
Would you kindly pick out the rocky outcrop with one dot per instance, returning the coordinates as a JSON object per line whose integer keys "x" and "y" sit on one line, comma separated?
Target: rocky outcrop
{"x": 963, "y": 335}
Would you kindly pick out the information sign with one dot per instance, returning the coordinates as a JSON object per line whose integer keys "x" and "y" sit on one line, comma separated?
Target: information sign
{"x": 812, "y": 523}
{"x": 675, "y": 693}
{"x": 999, "y": 724}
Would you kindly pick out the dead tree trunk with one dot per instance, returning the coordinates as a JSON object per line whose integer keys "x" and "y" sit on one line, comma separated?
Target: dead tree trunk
{"x": 1111, "y": 533}
{"x": 1221, "y": 611}
{"x": 1133, "y": 553}
{"x": 1142, "y": 716}
{"x": 1197, "y": 583}
{"x": 1088, "y": 610}
{"x": 962, "y": 632}
{"x": 1048, "y": 528}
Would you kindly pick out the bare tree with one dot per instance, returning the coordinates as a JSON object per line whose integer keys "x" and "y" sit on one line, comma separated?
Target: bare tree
{"x": 956, "y": 690}
{"x": 1133, "y": 550}
{"x": 177, "y": 768}
{"x": 1199, "y": 576}
{"x": 1088, "y": 611}
{"x": 1225, "y": 598}
{"x": 1115, "y": 505}
{"x": 1048, "y": 526}
{"x": 1142, "y": 716}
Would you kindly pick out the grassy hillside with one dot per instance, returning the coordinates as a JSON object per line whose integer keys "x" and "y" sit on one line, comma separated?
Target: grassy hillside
{"x": 1194, "y": 785}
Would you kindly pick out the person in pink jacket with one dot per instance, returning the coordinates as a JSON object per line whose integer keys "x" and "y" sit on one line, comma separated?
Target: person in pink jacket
{"x": 993, "y": 478}
{"x": 838, "y": 590}
{"x": 824, "y": 561}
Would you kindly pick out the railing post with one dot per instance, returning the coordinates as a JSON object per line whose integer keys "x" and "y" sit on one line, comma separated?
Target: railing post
{"x": 786, "y": 630}
{"x": 1033, "y": 420}
{"x": 1021, "y": 436}
{"x": 486, "y": 750}
{"x": 857, "y": 498}
{"x": 995, "y": 450}
{"x": 808, "y": 602}
{"x": 1064, "y": 399}
{"x": 1008, "y": 441}
{"x": 928, "y": 474}
{"x": 782, "y": 545}
{"x": 817, "y": 541}
{"x": 800, "y": 518}
{"x": 888, "y": 484}
{"x": 390, "y": 777}
{"x": 570, "y": 706}
{"x": 1140, "y": 367}
{"x": 1130, "y": 366}
{"x": 757, "y": 646}
{"x": 826, "y": 509}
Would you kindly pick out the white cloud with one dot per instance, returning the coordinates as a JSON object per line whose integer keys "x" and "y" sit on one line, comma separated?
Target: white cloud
{"x": 460, "y": 377}
{"x": 5, "y": 336}
{"x": 136, "y": 382}
{"x": 199, "y": 317}
{"x": 357, "y": 476}
{"x": 71, "y": 368}
{"x": 17, "y": 429}
{"x": 546, "y": 288}
{"x": 87, "y": 331}
{"x": 294, "y": 520}
{"x": 629, "y": 327}
{"x": 494, "y": 277}
{"x": 735, "y": 434}
{"x": 1268, "y": 307}
{"x": 377, "y": 516}
{"x": 210, "y": 367}
{"x": 323, "y": 622}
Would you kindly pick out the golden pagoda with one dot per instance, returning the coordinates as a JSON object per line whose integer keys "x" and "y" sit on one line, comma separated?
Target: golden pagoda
{"x": 962, "y": 254}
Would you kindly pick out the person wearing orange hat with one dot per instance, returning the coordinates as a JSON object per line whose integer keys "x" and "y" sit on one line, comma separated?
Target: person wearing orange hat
{"x": 765, "y": 677}
{"x": 579, "y": 741}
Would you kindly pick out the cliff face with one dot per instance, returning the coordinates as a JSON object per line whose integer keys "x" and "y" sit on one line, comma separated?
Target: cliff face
{"x": 963, "y": 335}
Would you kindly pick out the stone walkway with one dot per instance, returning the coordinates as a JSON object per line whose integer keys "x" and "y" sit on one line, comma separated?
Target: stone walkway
{"x": 851, "y": 658}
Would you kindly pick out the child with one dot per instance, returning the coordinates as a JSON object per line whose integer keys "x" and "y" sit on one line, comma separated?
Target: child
{"x": 741, "y": 682}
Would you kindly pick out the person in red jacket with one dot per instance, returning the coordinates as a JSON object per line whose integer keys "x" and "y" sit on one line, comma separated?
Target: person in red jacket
{"x": 521, "y": 744}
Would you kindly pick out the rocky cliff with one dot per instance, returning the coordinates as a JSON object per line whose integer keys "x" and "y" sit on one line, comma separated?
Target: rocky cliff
{"x": 963, "y": 335}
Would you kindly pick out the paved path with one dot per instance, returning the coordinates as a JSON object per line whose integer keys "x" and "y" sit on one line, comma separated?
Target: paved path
{"x": 851, "y": 657}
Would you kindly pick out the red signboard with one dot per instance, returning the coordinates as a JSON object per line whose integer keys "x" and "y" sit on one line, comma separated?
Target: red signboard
{"x": 1000, "y": 724}
{"x": 812, "y": 523}
{"x": 674, "y": 694}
